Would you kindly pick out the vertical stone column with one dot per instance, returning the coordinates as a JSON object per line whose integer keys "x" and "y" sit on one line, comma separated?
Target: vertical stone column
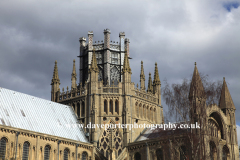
{"x": 122, "y": 50}
{"x": 82, "y": 41}
{"x": 90, "y": 48}
{"x": 106, "y": 55}
{"x": 127, "y": 45}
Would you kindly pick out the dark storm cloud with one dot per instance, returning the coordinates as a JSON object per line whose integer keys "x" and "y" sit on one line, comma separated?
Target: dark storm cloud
{"x": 174, "y": 34}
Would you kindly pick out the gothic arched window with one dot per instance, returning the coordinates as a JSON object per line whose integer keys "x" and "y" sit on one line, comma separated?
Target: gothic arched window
{"x": 66, "y": 154}
{"x": 84, "y": 156}
{"x": 105, "y": 106}
{"x": 78, "y": 109}
{"x": 25, "y": 151}
{"x": 183, "y": 153}
{"x": 116, "y": 107}
{"x": 137, "y": 156}
{"x": 213, "y": 151}
{"x": 136, "y": 110}
{"x": 140, "y": 110}
{"x": 46, "y": 152}
{"x": 111, "y": 106}
{"x": 83, "y": 109}
{"x": 159, "y": 154}
{"x": 3, "y": 144}
{"x": 225, "y": 153}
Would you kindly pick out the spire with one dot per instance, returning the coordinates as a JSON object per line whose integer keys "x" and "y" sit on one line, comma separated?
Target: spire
{"x": 196, "y": 88}
{"x": 150, "y": 87}
{"x": 74, "y": 76}
{"x": 94, "y": 66}
{"x": 142, "y": 77}
{"x": 55, "y": 74}
{"x": 225, "y": 98}
{"x": 126, "y": 66}
{"x": 55, "y": 84}
{"x": 156, "y": 80}
{"x": 74, "y": 69}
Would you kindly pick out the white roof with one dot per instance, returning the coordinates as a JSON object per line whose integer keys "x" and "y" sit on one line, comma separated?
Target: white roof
{"x": 39, "y": 115}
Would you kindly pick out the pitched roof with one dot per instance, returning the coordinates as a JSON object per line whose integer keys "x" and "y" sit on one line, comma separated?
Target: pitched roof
{"x": 35, "y": 114}
{"x": 225, "y": 98}
{"x": 153, "y": 133}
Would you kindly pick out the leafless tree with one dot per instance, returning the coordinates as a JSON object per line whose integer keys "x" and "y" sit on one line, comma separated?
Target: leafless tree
{"x": 176, "y": 97}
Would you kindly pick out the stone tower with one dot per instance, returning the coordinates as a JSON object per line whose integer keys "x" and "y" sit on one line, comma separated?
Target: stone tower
{"x": 109, "y": 55}
{"x": 107, "y": 96}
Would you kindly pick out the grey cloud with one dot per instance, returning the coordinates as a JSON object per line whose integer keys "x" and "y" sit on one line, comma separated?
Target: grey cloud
{"x": 175, "y": 34}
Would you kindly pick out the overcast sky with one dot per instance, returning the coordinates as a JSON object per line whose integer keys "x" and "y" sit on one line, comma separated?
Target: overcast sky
{"x": 175, "y": 34}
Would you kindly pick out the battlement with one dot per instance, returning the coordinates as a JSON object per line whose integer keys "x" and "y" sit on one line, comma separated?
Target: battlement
{"x": 73, "y": 93}
{"x": 107, "y": 30}
{"x": 142, "y": 94}
{"x": 82, "y": 39}
{"x": 90, "y": 32}
{"x": 121, "y": 34}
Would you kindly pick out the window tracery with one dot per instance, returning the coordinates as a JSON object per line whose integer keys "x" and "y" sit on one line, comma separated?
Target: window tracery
{"x": 111, "y": 138}
{"x": 3, "y": 144}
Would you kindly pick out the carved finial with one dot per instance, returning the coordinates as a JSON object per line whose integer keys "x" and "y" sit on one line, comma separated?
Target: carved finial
{"x": 63, "y": 89}
{"x": 137, "y": 85}
{"x": 67, "y": 88}
{"x": 195, "y": 63}
{"x": 223, "y": 78}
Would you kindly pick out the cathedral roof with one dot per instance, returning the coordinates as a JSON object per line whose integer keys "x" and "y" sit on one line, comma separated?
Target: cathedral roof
{"x": 38, "y": 115}
{"x": 152, "y": 133}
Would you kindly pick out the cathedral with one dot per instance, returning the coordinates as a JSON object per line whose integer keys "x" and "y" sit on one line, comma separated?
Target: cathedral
{"x": 69, "y": 127}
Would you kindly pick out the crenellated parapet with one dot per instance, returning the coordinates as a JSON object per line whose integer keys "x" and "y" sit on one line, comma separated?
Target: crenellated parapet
{"x": 144, "y": 95}
{"x": 78, "y": 92}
